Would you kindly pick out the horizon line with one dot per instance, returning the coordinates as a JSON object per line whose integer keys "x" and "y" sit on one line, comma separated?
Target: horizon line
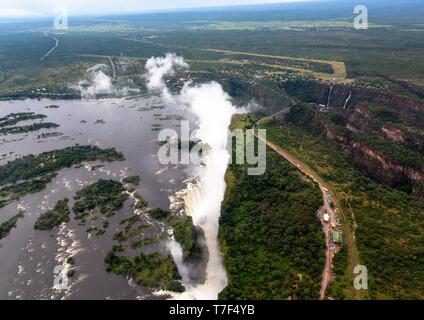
{"x": 163, "y": 10}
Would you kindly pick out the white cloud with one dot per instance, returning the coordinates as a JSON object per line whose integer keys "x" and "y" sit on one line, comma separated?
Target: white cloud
{"x": 159, "y": 67}
{"x": 99, "y": 83}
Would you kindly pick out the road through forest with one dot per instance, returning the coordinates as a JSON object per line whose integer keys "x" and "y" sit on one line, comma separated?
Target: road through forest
{"x": 325, "y": 190}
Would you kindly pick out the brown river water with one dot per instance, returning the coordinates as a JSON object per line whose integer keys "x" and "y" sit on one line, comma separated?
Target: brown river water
{"x": 28, "y": 257}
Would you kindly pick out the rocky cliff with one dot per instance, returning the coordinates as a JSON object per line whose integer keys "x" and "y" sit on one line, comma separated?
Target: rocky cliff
{"x": 380, "y": 133}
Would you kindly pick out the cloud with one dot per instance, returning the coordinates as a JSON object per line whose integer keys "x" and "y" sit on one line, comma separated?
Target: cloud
{"x": 159, "y": 67}
{"x": 99, "y": 83}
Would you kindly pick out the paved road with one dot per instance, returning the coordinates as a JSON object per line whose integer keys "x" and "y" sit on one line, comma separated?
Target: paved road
{"x": 327, "y": 274}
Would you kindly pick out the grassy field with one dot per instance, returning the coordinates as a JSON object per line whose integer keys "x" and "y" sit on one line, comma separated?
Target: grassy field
{"x": 338, "y": 67}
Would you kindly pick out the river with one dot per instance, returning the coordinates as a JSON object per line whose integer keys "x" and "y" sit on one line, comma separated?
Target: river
{"x": 28, "y": 257}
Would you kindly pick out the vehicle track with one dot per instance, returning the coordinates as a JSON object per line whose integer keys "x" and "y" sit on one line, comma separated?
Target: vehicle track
{"x": 52, "y": 49}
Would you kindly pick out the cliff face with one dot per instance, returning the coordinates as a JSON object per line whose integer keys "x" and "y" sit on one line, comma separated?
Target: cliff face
{"x": 380, "y": 133}
{"x": 382, "y": 168}
{"x": 269, "y": 97}
{"x": 375, "y": 163}
{"x": 359, "y": 118}
{"x": 362, "y": 119}
{"x": 393, "y": 134}
{"x": 268, "y": 103}
{"x": 408, "y": 109}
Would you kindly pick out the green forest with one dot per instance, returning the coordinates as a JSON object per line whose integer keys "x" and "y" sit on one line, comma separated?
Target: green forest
{"x": 270, "y": 234}
{"x": 32, "y": 173}
{"x": 388, "y": 223}
{"x": 53, "y": 218}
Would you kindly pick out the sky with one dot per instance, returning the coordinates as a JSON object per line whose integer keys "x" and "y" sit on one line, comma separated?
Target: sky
{"x": 29, "y": 8}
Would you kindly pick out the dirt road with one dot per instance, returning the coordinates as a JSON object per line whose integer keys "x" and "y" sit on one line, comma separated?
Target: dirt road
{"x": 112, "y": 64}
{"x": 56, "y": 44}
{"x": 113, "y": 67}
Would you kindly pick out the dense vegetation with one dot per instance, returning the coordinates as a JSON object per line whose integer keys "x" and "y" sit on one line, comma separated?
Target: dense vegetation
{"x": 403, "y": 155}
{"x": 15, "y": 191}
{"x": 135, "y": 180}
{"x": 135, "y": 235}
{"x": 271, "y": 237}
{"x": 14, "y": 118}
{"x": 159, "y": 214}
{"x": 8, "y": 225}
{"x": 53, "y": 218}
{"x": 140, "y": 202}
{"x": 388, "y": 223}
{"x": 152, "y": 270}
{"x": 31, "y": 174}
{"x": 390, "y": 48}
{"x": 7, "y": 123}
{"x": 188, "y": 236}
{"x": 269, "y": 231}
{"x": 28, "y": 128}
{"x": 108, "y": 195}
{"x": 133, "y": 231}
{"x": 48, "y": 162}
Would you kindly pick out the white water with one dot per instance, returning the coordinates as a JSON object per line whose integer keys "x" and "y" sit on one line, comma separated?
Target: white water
{"x": 347, "y": 100}
{"x": 329, "y": 96}
{"x": 203, "y": 198}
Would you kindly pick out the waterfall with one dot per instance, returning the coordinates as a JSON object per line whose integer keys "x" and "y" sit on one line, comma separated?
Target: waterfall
{"x": 329, "y": 96}
{"x": 347, "y": 100}
{"x": 205, "y": 215}
{"x": 177, "y": 254}
{"x": 213, "y": 108}
{"x": 192, "y": 197}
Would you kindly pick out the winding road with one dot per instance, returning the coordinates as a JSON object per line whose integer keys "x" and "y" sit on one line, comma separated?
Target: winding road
{"x": 327, "y": 274}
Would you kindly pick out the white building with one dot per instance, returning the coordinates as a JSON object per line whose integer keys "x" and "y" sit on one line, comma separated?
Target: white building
{"x": 326, "y": 217}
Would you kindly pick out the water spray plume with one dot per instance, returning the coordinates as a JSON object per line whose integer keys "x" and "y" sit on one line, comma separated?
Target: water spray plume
{"x": 203, "y": 199}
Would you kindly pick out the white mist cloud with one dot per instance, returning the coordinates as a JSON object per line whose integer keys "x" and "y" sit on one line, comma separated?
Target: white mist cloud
{"x": 212, "y": 105}
{"x": 214, "y": 110}
{"x": 99, "y": 82}
{"x": 159, "y": 67}
{"x": 177, "y": 254}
